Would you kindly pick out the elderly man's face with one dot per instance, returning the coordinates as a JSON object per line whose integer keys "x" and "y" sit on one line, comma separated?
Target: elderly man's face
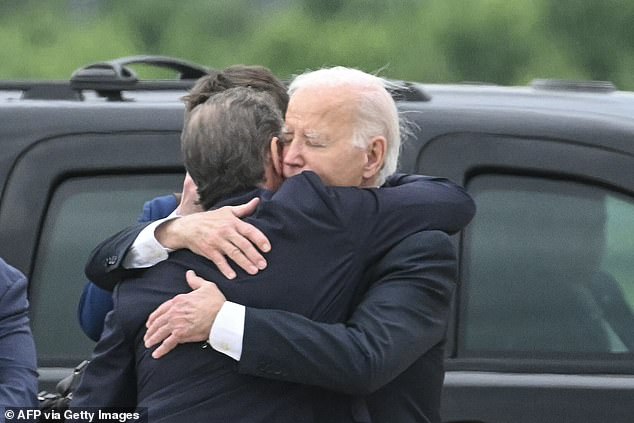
{"x": 318, "y": 137}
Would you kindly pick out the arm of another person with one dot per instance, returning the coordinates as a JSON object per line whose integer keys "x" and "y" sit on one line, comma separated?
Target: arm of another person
{"x": 215, "y": 234}
{"x": 105, "y": 264}
{"x": 429, "y": 203}
{"x": 18, "y": 366}
{"x": 416, "y": 201}
{"x": 400, "y": 318}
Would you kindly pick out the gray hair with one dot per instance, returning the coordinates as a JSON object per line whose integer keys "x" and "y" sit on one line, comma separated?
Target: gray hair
{"x": 376, "y": 113}
{"x": 225, "y": 142}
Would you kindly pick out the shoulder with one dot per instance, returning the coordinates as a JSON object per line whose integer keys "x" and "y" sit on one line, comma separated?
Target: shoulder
{"x": 300, "y": 190}
{"x": 309, "y": 184}
{"x": 302, "y": 180}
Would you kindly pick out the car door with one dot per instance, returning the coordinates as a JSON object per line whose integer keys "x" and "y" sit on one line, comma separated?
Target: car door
{"x": 543, "y": 322}
{"x": 64, "y": 195}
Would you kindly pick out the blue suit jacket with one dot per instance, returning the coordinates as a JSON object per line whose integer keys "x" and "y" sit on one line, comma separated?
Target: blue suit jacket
{"x": 18, "y": 366}
{"x": 324, "y": 239}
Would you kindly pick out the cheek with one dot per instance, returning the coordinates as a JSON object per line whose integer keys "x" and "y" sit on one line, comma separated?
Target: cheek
{"x": 340, "y": 171}
{"x": 350, "y": 161}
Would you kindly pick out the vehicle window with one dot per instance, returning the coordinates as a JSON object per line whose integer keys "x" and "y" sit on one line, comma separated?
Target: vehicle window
{"x": 548, "y": 269}
{"x": 83, "y": 211}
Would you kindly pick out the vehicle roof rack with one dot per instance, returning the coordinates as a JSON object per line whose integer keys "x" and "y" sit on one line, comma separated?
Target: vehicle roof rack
{"x": 578, "y": 86}
{"x": 43, "y": 90}
{"x": 110, "y": 78}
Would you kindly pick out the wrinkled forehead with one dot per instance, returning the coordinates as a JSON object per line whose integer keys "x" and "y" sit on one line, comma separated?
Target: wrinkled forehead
{"x": 322, "y": 107}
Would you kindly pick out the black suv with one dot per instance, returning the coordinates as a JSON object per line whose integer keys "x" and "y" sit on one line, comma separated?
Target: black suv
{"x": 542, "y": 328}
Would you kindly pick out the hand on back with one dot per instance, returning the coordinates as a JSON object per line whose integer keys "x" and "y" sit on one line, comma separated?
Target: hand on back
{"x": 216, "y": 234}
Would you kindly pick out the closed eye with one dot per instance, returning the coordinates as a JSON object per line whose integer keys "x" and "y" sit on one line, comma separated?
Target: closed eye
{"x": 315, "y": 140}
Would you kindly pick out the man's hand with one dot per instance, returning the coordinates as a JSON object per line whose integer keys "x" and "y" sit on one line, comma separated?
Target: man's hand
{"x": 184, "y": 318}
{"x": 218, "y": 234}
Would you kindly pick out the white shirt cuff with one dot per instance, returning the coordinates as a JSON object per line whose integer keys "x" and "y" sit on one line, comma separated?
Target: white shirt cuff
{"x": 146, "y": 251}
{"x": 227, "y": 331}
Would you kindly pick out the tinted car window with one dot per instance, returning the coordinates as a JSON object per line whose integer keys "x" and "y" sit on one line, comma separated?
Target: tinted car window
{"x": 83, "y": 211}
{"x": 547, "y": 268}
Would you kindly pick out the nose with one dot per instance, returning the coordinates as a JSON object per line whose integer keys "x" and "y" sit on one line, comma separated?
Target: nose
{"x": 292, "y": 154}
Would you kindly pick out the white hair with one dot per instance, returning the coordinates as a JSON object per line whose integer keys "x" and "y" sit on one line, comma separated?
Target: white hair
{"x": 376, "y": 115}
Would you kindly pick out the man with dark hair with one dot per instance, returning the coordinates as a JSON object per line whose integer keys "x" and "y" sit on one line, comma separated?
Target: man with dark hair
{"x": 257, "y": 78}
{"x": 325, "y": 238}
{"x": 96, "y": 302}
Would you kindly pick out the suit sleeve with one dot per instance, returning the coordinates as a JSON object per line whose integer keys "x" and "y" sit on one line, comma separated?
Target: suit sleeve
{"x": 412, "y": 203}
{"x": 439, "y": 203}
{"x": 105, "y": 264}
{"x": 104, "y": 267}
{"x": 402, "y": 316}
{"x": 18, "y": 368}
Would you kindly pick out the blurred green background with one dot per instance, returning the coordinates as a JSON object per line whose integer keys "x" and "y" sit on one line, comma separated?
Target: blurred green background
{"x": 497, "y": 41}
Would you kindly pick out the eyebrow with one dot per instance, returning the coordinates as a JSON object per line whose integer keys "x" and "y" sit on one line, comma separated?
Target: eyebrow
{"x": 313, "y": 135}
{"x": 309, "y": 134}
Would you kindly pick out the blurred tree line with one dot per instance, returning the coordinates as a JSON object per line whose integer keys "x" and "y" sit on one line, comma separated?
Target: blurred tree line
{"x": 496, "y": 41}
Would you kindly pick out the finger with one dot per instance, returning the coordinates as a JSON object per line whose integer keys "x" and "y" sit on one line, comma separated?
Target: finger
{"x": 168, "y": 345}
{"x": 159, "y": 312}
{"x": 194, "y": 280}
{"x": 246, "y": 209}
{"x": 247, "y": 254}
{"x": 254, "y": 235}
{"x": 221, "y": 263}
{"x": 158, "y": 334}
{"x": 161, "y": 323}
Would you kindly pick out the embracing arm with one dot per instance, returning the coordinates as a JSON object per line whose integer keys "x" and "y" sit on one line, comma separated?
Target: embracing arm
{"x": 401, "y": 317}
{"x": 211, "y": 234}
{"x": 441, "y": 204}
{"x": 214, "y": 234}
{"x": 105, "y": 264}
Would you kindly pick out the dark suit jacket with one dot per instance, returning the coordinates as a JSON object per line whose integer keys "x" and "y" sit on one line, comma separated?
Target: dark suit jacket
{"x": 451, "y": 208}
{"x": 390, "y": 350}
{"x": 18, "y": 367}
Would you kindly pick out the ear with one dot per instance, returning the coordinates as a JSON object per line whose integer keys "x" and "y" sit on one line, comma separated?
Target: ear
{"x": 375, "y": 157}
{"x": 276, "y": 155}
{"x": 274, "y": 176}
